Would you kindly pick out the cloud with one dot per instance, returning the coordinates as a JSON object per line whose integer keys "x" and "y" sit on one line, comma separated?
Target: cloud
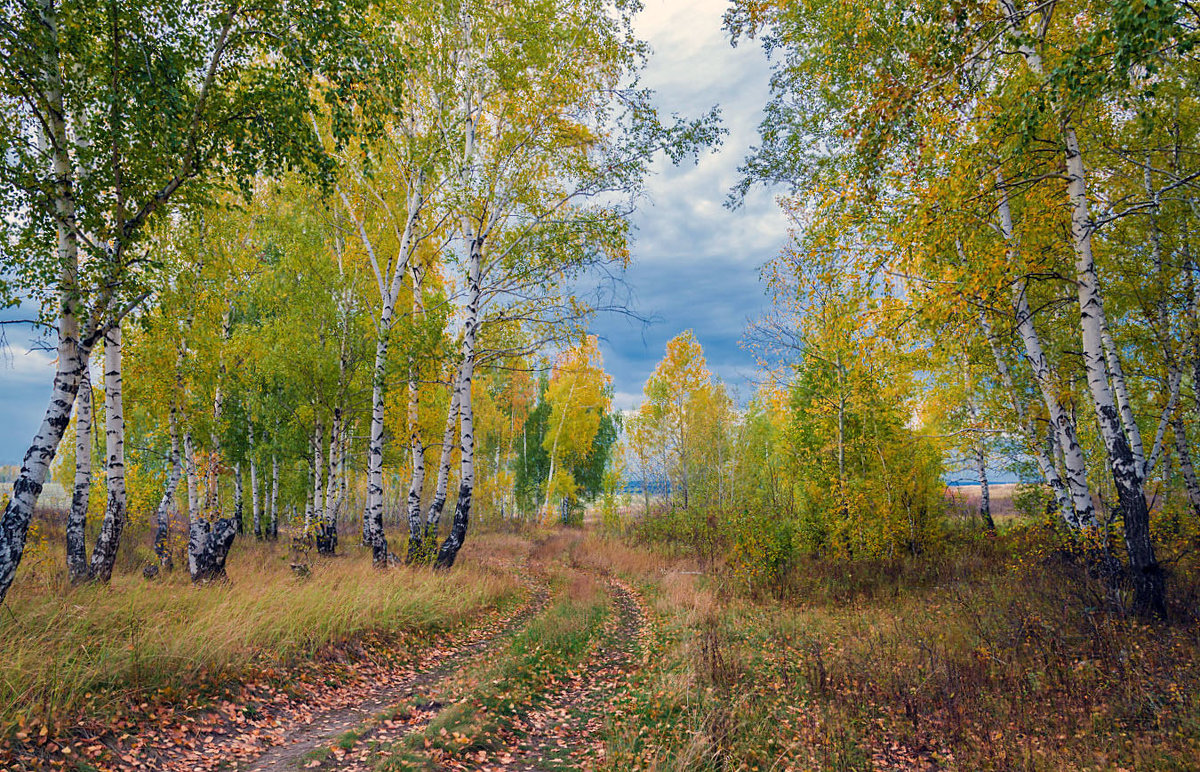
{"x": 18, "y": 366}
{"x": 696, "y": 263}
{"x": 626, "y": 402}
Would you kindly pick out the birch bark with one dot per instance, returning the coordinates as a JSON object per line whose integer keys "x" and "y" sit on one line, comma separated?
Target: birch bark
{"x": 104, "y": 555}
{"x": 162, "y": 519}
{"x": 1186, "y": 468}
{"x": 416, "y": 447}
{"x": 1149, "y": 580}
{"x": 72, "y": 352}
{"x": 434, "y": 516}
{"x": 78, "y": 569}
{"x": 327, "y": 531}
{"x": 1082, "y": 513}
{"x": 389, "y": 291}
{"x": 1043, "y": 456}
{"x": 273, "y": 521}
{"x": 238, "y": 504}
{"x": 255, "y": 500}
{"x": 462, "y": 510}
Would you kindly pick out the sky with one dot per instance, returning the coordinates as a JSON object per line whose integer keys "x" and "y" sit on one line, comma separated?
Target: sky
{"x": 694, "y": 263}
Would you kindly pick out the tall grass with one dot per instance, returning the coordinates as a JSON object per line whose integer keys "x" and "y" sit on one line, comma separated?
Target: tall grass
{"x": 1005, "y": 655}
{"x": 65, "y": 650}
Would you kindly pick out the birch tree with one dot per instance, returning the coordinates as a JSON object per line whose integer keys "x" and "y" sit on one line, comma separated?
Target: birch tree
{"x": 110, "y": 118}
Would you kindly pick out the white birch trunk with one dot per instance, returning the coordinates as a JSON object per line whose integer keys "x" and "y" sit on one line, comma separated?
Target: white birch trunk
{"x": 162, "y": 518}
{"x": 1148, "y": 578}
{"x": 327, "y": 530}
{"x": 189, "y": 469}
{"x": 72, "y": 353}
{"x": 1174, "y": 381}
{"x": 318, "y": 478}
{"x": 416, "y": 447}
{"x": 462, "y": 510}
{"x": 1074, "y": 464}
{"x": 1121, "y": 393}
{"x": 1082, "y": 513}
{"x": 238, "y": 504}
{"x": 434, "y": 516}
{"x": 255, "y": 499}
{"x": 373, "y": 535}
{"x": 273, "y": 521}
{"x": 78, "y": 569}
{"x": 104, "y": 555}
{"x": 195, "y": 529}
{"x": 389, "y": 290}
{"x": 1186, "y": 468}
{"x": 1043, "y": 456}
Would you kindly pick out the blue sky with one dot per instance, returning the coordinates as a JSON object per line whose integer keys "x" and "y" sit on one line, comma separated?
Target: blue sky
{"x": 695, "y": 264}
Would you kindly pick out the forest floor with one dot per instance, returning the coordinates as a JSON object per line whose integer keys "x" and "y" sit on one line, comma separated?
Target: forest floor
{"x": 563, "y": 649}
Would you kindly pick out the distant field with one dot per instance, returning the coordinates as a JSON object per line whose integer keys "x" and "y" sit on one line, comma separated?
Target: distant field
{"x": 964, "y": 500}
{"x": 54, "y": 496}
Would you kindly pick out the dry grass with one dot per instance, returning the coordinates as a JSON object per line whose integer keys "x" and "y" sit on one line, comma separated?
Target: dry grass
{"x": 66, "y": 650}
{"x": 998, "y": 658}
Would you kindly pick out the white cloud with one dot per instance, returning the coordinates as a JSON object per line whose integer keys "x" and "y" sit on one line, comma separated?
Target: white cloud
{"x": 625, "y": 401}
{"x": 19, "y": 366}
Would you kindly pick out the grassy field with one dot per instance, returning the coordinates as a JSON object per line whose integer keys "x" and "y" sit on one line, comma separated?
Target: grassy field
{"x": 998, "y": 653}
{"x": 69, "y": 655}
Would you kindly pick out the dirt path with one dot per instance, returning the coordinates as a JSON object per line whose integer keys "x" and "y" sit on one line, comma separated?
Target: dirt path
{"x": 566, "y": 732}
{"x": 281, "y": 741}
{"x": 325, "y": 729}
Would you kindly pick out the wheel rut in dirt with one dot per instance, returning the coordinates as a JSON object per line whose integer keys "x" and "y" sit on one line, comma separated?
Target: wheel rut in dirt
{"x": 303, "y": 729}
{"x": 565, "y": 733}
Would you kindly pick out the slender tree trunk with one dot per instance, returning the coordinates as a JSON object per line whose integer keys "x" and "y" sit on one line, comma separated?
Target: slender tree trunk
{"x": 1074, "y": 465}
{"x": 434, "y": 516}
{"x": 417, "y": 482}
{"x": 162, "y": 519}
{"x": 1174, "y": 382}
{"x": 1186, "y": 468}
{"x": 318, "y": 478}
{"x": 1162, "y": 319}
{"x": 1149, "y": 580}
{"x": 389, "y": 290}
{"x": 104, "y": 556}
{"x": 273, "y": 522}
{"x": 327, "y": 531}
{"x": 1043, "y": 456}
{"x": 255, "y": 500}
{"x": 72, "y": 353}
{"x": 373, "y": 534}
{"x": 1121, "y": 394}
{"x": 985, "y": 498}
{"x": 78, "y": 568}
{"x": 416, "y": 446}
{"x": 189, "y": 467}
{"x": 462, "y": 511}
{"x": 238, "y": 506}
{"x": 1082, "y": 513}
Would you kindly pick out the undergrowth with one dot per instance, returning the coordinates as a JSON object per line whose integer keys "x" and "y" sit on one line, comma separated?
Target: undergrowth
{"x": 1003, "y": 653}
{"x": 87, "y": 651}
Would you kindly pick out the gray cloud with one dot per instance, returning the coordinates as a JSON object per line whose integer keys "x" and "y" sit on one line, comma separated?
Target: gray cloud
{"x": 696, "y": 263}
